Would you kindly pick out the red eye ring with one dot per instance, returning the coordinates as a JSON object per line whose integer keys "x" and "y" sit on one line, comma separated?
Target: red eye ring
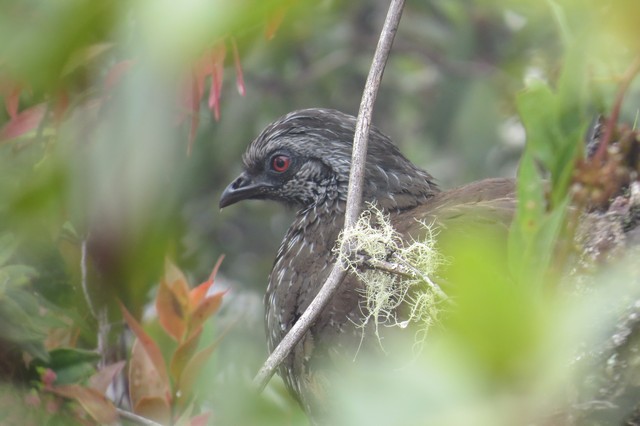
{"x": 280, "y": 163}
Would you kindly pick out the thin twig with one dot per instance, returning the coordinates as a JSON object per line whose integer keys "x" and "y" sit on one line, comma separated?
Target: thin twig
{"x": 127, "y": 415}
{"x": 354, "y": 196}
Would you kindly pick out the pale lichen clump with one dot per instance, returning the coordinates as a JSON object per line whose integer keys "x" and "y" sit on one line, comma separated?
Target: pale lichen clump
{"x": 395, "y": 273}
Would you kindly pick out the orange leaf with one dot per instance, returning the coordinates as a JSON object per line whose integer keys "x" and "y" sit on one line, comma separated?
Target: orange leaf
{"x": 95, "y": 403}
{"x": 205, "y": 309}
{"x": 238, "y": 67}
{"x": 144, "y": 379}
{"x": 27, "y": 120}
{"x": 150, "y": 348}
{"x": 153, "y": 408}
{"x": 183, "y": 354}
{"x": 103, "y": 378}
{"x": 198, "y": 293}
{"x": 172, "y": 311}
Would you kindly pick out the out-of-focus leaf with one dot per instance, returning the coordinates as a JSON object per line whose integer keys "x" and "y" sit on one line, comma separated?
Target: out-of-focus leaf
{"x": 154, "y": 408}
{"x": 183, "y": 354}
{"x": 95, "y": 403}
{"x": 145, "y": 381}
{"x": 274, "y": 21}
{"x": 60, "y": 106}
{"x": 151, "y": 356}
{"x": 72, "y": 365}
{"x": 8, "y": 246}
{"x": 198, "y": 293}
{"x": 16, "y": 275}
{"x": 524, "y": 259}
{"x": 205, "y": 309}
{"x": 172, "y": 312}
{"x": 192, "y": 370}
{"x": 26, "y": 121}
{"x": 116, "y": 72}
{"x": 103, "y": 378}
{"x": 217, "y": 59}
{"x": 85, "y": 55}
{"x": 201, "y": 419}
{"x": 238, "y": 68}
{"x": 12, "y": 101}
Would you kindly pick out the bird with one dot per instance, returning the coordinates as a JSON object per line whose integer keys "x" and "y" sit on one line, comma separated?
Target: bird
{"x": 303, "y": 160}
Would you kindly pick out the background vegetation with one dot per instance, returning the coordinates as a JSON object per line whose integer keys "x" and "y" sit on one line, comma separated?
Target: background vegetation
{"x": 123, "y": 123}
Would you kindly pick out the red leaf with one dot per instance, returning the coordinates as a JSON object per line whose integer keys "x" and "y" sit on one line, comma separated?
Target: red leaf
{"x": 156, "y": 409}
{"x": 115, "y": 73}
{"x": 144, "y": 379}
{"x": 12, "y": 101}
{"x": 205, "y": 309}
{"x": 27, "y": 120}
{"x": 198, "y": 293}
{"x": 151, "y": 349}
{"x": 217, "y": 59}
{"x": 238, "y": 67}
{"x": 172, "y": 308}
{"x": 103, "y": 378}
{"x": 95, "y": 403}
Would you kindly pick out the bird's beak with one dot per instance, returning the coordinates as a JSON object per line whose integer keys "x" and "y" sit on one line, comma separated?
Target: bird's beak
{"x": 242, "y": 188}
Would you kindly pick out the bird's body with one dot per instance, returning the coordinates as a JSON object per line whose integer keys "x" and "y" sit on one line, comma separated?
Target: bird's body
{"x": 303, "y": 159}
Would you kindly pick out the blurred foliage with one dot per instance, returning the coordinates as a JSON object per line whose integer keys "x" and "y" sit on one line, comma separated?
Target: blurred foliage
{"x": 104, "y": 99}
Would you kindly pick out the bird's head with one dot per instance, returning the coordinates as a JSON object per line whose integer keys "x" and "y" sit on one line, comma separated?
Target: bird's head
{"x": 304, "y": 158}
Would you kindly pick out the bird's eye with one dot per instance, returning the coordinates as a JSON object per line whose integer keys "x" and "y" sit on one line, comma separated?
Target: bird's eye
{"x": 280, "y": 163}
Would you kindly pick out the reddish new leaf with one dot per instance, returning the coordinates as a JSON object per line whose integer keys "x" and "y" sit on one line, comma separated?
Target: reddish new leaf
{"x": 153, "y": 408}
{"x": 172, "y": 311}
{"x": 238, "y": 67}
{"x": 150, "y": 348}
{"x": 95, "y": 403}
{"x": 144, "y": 379}
{"x": 183, "y": 354}
{"x": 217, "y": 59}
{"x": 198, "y": 293}
{"x": 205, "y": 309}
{"x": 12, "y": 101}
{"x": 27, "y": 120}
{"x": 103, "y": 378}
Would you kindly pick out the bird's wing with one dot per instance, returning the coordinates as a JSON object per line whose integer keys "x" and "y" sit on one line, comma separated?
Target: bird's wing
{"x": 490, "y": 202}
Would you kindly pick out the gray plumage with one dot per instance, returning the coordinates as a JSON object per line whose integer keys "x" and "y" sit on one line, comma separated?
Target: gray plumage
{"x": 318, "y": 144}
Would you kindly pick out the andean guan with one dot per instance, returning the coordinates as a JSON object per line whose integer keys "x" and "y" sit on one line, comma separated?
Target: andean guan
{"x": 303, "y": 160}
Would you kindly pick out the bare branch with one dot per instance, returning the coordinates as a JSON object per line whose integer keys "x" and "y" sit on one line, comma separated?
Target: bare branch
{"x": 354, "y": 195}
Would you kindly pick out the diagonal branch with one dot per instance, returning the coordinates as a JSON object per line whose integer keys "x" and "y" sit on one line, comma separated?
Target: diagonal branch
{"x": 354, "y": 195}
